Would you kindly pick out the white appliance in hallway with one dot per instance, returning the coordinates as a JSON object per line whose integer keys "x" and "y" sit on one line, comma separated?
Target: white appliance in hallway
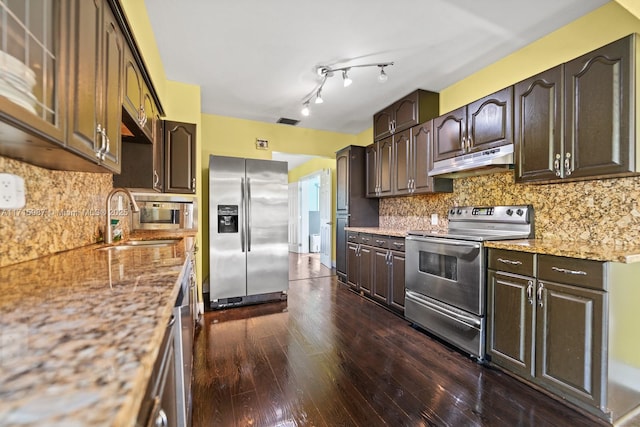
{"x": 248, "y": 215}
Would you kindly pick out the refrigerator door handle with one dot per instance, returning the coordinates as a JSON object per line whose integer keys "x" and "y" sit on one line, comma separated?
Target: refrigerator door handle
{"x": 242, "y": 218}
{"x": 248, "y": 214}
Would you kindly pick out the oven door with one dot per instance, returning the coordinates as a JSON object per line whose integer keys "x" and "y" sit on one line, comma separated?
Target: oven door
{"x": 450, "y": 271}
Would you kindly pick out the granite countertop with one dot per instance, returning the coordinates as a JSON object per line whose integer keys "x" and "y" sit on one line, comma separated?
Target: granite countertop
{"x": 80, "y": 331}
{"x": 583, "y": 250}
{"x": 380, "y": 231}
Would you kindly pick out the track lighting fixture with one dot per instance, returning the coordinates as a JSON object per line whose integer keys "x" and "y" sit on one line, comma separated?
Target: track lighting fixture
{"x": 326, "y": 71}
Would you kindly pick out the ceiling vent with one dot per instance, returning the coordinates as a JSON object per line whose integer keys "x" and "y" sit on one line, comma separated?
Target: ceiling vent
{"x": 286, "y": 121}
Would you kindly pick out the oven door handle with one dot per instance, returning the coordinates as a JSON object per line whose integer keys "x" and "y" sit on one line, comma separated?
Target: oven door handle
{"x": 444, "y": 241}
{"x": 439, "y": 308}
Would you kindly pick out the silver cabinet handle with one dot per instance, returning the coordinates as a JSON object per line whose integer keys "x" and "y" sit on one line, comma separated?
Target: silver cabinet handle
{"x": 556, "y": 165}
{"x": 530, "y": 291}
{"x": 156, "y": 178}
{"x": 566, "y": 271}
{"x": 540, "y": 289}
{"x": 398, "y": 245}
{"x": 161, "y": 419}
{"x": 105, "y": 144}
{"x": 193, "y": 185}
{"x": 100, "y": 135}
{"x": 464, "y": 144}
{"x": 510, "y": 262}
{"x": 469, "y": 143}
{"x": 567, "y": 164}
{"x": 248, "y": 214}
{"x": 108, "y": 147}
{"x": 379, "y": 242}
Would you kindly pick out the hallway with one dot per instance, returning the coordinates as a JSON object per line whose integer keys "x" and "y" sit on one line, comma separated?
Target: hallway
{"x": 327, "y": 357}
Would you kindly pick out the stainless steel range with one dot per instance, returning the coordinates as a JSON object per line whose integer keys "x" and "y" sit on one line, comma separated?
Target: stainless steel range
{"x": 446, "y": 271}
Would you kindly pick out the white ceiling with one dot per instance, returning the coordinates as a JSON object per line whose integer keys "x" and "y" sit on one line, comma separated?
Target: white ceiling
{"x": 256, "y": 59}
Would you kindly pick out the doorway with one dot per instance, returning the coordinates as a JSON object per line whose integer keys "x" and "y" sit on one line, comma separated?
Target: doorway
{"x": 310, "y": 215}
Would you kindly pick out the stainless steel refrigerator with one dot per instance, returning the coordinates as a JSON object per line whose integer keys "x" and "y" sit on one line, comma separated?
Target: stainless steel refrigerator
{"x": 248, "y": 231}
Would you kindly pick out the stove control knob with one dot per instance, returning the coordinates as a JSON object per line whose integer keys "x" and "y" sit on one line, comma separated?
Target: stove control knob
{"x": 520, "y": 212}
{"x": 509, "y": 212}
{"x": 459, "y": 211}
{"x": 452, "y": 211}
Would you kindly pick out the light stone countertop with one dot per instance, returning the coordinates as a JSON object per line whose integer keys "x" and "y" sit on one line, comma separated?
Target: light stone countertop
{"x": 80, "y": 331}
{"x": 584, "y": 250}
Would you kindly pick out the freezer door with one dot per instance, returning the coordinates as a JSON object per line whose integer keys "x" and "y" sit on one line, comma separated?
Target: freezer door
{"x": 227, "y": 243}
{"x": 267, "y": 227}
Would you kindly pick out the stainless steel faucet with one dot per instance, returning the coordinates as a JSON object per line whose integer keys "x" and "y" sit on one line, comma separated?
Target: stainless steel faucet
{"x": 108, "y": 234}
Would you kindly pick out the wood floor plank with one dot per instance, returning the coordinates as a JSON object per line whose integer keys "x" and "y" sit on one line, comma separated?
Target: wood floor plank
{"x": 329, "y": 357}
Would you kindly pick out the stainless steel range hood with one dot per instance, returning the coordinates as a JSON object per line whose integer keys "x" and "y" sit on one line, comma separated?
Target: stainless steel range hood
{"x": 493, "y": 160}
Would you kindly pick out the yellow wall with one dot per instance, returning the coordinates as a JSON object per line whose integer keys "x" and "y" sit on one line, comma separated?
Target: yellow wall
{"x": 604, "y": 25}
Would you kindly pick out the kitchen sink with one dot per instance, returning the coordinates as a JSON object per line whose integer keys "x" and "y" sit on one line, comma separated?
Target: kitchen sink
{"x": 131, "y": 244}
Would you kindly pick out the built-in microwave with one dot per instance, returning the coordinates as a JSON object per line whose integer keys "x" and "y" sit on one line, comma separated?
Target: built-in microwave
{"x": 164, "y": 212}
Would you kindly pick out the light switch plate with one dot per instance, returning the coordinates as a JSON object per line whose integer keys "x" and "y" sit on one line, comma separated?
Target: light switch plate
{"x": 12, "y": 194}
{"x": 434, "y": 219}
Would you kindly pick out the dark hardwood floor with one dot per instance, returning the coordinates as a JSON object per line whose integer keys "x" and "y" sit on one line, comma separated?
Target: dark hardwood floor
{"x": 328, "y": 357}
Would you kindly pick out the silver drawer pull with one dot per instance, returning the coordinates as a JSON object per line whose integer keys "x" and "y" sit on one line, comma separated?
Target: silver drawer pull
{"x": 566, "y": 271}
{"x": 379, "y": 242}
{"x": 508, "y": 261}
{"x": 398, "y": 245}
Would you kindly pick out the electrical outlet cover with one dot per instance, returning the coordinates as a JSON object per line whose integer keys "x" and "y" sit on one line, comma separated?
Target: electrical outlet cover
{"x": 12, "y": 195}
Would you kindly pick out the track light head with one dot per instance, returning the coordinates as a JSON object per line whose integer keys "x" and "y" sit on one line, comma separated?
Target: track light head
{"x": 346, "y": 80}
{"x": 305, "y": 109}
{"x": 383, "y": 76}
{"x": 319, "y": 99}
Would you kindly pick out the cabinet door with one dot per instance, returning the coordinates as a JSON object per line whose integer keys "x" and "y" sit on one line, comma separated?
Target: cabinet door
{"x": 32, "y": 41}
{"x": 449, "y": 131}
{"x": 382, "y": 123}
{"x": 111, "y": 84}
{"x": 179, "y": 157}
{"x": 85, "y": 61}
{"x": 405, "y": 112}
{"x": 490, "y": 121}
{"x": 372, "y": 169}
{"x": 342, "y": 181}
{"x": 148, "y": 113}
{"x": 132, "y": 96}
{"x": 538, "y": 126}
{"x": 422, "y": 159}
{"x": 403, "y": 162}
{"x": 158, "y": 156}
{"x": 510, "y": 322}
{"x": 397, "y": 280}
{"x": 380, "y": 279}
{"x": 366, "y": 269}
{"x": 600, "y": 127}
{"x": 385, "y": 155}
{"x": 353, "y": 265}
{"x": 571, "y": 342}
{"x": 341, "y": 247}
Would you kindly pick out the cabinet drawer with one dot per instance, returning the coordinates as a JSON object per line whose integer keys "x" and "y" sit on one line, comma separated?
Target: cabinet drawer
{"x": 572, "y": 271}
{"x": 379, "y": 241}
{"x": 353, "y": 237}
{"x": 522, "y": 263}
{"x": 366, "y": 239}
{"x": 396, "y": 244}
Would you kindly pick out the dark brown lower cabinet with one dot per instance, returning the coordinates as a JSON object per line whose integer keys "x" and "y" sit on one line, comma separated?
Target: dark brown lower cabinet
{"x": 359, "y": 267}
{"x": 375, "y": 267}
{"x": 550, "y": 333}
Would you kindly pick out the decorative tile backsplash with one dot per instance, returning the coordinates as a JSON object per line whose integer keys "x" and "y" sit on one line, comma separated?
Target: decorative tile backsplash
{"x": 600, "y": 211}
{"x": 64, "y": 210}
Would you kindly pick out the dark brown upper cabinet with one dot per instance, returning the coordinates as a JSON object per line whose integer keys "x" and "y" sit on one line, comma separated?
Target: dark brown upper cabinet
{"x": 576, "y": 121}
{"x": 38, "y": 58}
{"x": 139, "y": 108}
{"x": 412, "y": 161}
{"x": 179, "y": 157}
{"x": 417, "y": 107}
{"x": 95, "y": 83}
{"x": 483, "y": 124}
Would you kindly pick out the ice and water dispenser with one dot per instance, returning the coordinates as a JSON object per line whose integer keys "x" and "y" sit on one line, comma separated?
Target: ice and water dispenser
{"x": 227, "y": 219}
